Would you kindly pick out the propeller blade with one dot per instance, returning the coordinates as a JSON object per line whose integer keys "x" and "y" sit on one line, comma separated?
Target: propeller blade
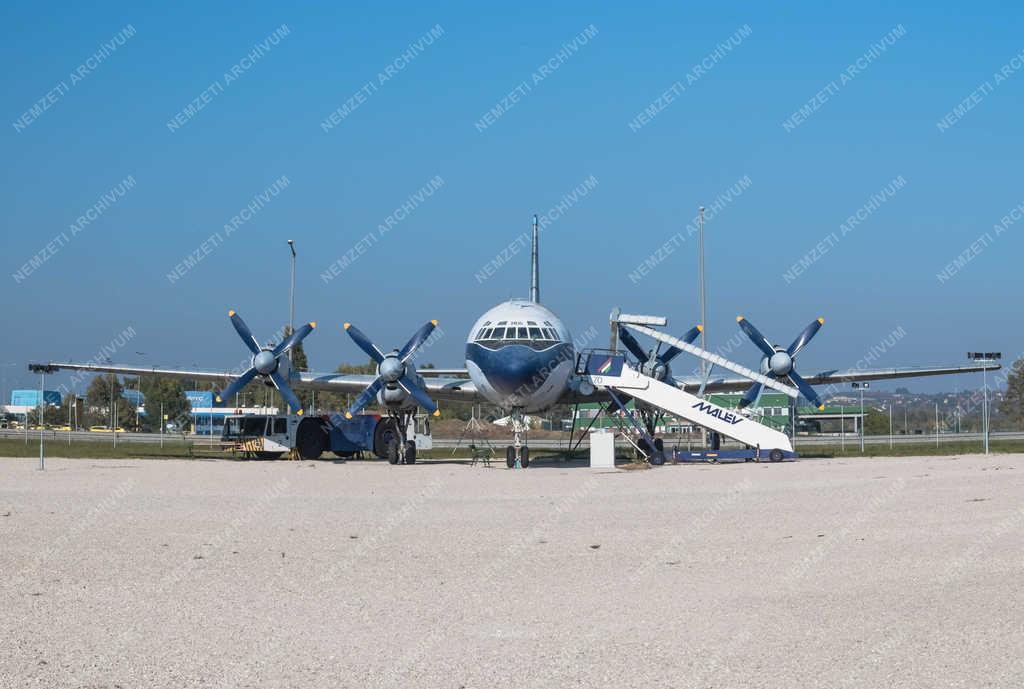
{"x": 237, "y": 384}
{"x": 805, "y": 337}
{"x": 755, "y": 336}
{"x": 364, "y": 343}
{"x": 806, "y": 390}
{"x": 419, "y": 394}
{"x": 627, "y": 339}
{"x": 286, "y": 392}
{"x": 691, "y": 335}
{"x": 415, "y": 341}
{"x": 752, "y": 392}
{"x": 365, "y": 397}
{"x": 244, "y": 332}
{"x": 294, "y": 339}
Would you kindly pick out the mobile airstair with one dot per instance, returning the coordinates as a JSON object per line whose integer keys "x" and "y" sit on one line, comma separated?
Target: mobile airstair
{"x": 610, "y": 371}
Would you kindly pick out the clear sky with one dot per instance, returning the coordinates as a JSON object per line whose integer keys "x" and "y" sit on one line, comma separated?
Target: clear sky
{"x": 879, "y": 84}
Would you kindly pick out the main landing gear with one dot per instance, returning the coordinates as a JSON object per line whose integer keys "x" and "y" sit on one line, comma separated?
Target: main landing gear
{"x": 393, "y": 437}
{"x": 517, "y": 455}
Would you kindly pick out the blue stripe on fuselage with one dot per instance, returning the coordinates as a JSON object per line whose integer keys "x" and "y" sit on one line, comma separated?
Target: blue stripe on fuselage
{"x": 515, "y": 369}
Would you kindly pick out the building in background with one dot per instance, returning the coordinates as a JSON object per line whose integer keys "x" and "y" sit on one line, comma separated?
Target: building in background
{"x": 208, "y": 416}
{"x": 24, "y": 401}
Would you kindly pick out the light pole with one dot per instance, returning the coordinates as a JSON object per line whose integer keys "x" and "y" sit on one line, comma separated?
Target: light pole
{"x": 861, "y": 386}
{"x": 890, "y": 424}
{"x": 291, "y": 298}
{"x": 842, "y": 428}
{"x": 985, "y": 358}
{"x": 42, "y": 370}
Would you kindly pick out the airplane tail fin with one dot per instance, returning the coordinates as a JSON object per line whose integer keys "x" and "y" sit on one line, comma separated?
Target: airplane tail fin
{"x": 534, "y": 270}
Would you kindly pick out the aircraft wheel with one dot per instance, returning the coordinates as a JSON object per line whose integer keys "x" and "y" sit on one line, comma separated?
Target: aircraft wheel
{"x": 392, "y": 451}
{"x": 775, "y": 456}
{"x": 524, "y": 456}
{"x": 510, "y": 457}
{"x": 410, "y": 452}
{"x": 268, "y": 455}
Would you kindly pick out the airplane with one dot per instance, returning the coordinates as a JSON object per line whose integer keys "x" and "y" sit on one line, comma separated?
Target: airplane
{"x": 520, "y": 357}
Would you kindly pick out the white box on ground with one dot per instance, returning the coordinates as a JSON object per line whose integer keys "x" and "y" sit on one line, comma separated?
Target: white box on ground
{"x": 602, "y": 450}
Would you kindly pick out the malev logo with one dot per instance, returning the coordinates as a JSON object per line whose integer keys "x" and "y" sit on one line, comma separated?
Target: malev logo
{"x": 718, "y": 413}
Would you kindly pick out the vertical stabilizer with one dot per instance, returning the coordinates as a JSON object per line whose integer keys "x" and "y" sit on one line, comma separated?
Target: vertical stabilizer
{"x": 534, "y": 270}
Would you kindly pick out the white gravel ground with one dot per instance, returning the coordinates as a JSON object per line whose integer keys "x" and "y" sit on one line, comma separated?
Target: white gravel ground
{"x": 839, "y": 573}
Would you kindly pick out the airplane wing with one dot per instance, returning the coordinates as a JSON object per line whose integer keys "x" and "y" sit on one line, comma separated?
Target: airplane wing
{"x": 839, "y": 376}
{"x": 451, "y": 389}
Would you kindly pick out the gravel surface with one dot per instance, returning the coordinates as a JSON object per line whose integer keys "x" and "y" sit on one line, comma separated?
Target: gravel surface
{"x": 832, "y": 573}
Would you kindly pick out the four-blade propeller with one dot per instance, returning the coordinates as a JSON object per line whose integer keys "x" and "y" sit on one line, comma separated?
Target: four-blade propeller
{"x": 652, "y": 363}
{"x": 779, "y": 363}
{"x": 266, "y": 362}
{"x": 392, "y": 369}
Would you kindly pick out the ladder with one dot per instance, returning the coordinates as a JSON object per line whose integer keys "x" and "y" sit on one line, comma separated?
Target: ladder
{"x": 609, "y": 371}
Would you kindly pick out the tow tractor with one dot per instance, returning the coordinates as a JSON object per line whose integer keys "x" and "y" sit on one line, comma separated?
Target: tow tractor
{"x": 270, "y": 436}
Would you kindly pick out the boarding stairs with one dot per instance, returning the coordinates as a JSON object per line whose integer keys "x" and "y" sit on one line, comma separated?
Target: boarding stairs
{"x": 610, "y": 371}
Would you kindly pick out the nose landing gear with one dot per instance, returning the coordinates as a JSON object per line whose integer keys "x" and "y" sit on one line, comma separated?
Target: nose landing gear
{"x": 517, "y": 455}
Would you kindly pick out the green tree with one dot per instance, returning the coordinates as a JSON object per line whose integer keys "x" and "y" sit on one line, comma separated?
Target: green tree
{"x": 51, "y": 416}
{"x": 876, "y": 421}
{"x": 167, "y": 394}
{"x": 1012, "y": 406}
{"x": 106, "y": 392}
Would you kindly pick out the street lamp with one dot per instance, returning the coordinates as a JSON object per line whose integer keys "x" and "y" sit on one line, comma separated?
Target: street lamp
{"x": 985, "y": 358}
{"x": 861, "y": 387}
{"x": 291, "y": 298}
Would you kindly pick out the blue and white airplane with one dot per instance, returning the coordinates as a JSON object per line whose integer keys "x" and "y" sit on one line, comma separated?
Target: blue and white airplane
{"x": 520, "y": 357}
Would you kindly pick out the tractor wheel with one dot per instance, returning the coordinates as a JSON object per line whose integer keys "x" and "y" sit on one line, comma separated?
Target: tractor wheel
{"x": 383, "y": 434}
{"x": 311, "y": 438}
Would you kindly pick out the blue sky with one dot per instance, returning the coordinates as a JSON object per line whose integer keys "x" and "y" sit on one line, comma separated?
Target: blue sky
{"x": 571, "y": 125}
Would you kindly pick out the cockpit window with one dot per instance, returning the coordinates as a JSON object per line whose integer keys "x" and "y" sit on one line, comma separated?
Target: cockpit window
{"x": 523, "y": 334}
{"x": 535, "y": 333}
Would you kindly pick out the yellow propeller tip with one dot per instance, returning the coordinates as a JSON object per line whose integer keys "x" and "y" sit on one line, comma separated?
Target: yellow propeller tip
{"x": 348, "y": 415}
{"x": 433, "y": 322}
{"x": 739, "y": 318}
{"x": 312, "y": 324}
{"x": 231, "y": 313}
{"x": 437, "y": 412}
{"x": 700, "y": 328}
{"x": 346, "y": 326}
{"x": 821, "y": 407}
{"x": 821, "y": 321}
{"x": 218, "y": 398}
{"x": 298, "y": 413}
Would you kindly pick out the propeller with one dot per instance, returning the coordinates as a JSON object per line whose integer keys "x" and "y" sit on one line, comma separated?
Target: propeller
{"x": 266, "y": 362}
{"x": 393, "y": 374}
{"x": 779, "y": 363}
{"x": 652, "y": 363}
